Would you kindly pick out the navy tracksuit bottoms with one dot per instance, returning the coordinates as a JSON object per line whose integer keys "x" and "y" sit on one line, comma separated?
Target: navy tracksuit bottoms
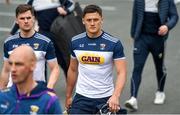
{"x": 148, "y": 43}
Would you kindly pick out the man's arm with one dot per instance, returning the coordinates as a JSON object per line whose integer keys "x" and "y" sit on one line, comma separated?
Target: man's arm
{"x": 54, "y": 73}
{"x": 171, "y": 21}
{"x": 119, "y": 85}
{"x": 71, "y": 81}
{"x": 4, "y": 78}
{"x": 172, "y": 16}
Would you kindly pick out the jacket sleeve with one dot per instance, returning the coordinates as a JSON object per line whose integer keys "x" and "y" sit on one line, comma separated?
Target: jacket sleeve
{"x": 53, "y": 106}
{"x": 133, "y": 22}
{"x": 68, "y": 4}
{"x": 173, "y": 15}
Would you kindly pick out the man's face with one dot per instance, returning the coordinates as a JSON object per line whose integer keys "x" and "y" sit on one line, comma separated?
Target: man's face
{"x": 93, "y": 23}
{"x": 26, "y": 21}
{"x": 20, "y": 68}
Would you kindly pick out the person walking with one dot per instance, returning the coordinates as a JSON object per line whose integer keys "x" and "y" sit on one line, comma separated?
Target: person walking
{"x": 46, "y": 12}
{"x": 27, "y": 96}
{"x": 151, "y": 22}
{"x": 43, "y": 47}
{"x": 93, "y": 55}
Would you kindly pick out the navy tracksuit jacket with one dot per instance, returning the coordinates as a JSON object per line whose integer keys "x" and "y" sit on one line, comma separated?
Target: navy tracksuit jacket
{"x": 144, "y": 31}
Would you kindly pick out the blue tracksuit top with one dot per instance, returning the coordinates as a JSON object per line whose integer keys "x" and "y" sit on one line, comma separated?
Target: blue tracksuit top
{"x": 41, "y": 101}
{"x": 167, "y": 13}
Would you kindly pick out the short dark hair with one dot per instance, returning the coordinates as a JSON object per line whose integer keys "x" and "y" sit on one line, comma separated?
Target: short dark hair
{"x": 92, "y": 9}
{"x": 24, "y": 8}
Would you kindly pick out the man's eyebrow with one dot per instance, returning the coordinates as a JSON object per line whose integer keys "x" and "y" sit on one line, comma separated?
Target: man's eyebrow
{"x": 16, "y": 63}
{"x": 29, "y": 17}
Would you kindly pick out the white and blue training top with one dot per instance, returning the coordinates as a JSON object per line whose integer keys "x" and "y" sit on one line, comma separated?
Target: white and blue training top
{"x": 43, "y": 48}
{"x": 95, "y": 69}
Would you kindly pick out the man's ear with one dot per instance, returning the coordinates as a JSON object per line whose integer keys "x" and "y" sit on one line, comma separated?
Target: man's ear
{"x": 33, "y": 65}
{"x": 16, "y": 21}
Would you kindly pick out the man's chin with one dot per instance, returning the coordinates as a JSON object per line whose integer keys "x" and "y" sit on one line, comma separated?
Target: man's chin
{"x": 15, "y": 82}
{"x": 26, "y": 30}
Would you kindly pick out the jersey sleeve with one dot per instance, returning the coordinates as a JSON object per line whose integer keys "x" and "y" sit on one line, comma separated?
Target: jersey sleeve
{"x": 118, "y": 51}
{"x": 50, "y": 52}
{"x": 72, "y": 50}
{"x": 6, "y": 55}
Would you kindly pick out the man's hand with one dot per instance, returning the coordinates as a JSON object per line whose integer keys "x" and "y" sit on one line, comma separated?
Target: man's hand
{"x": 68, "y": 102}
{"x": 61, "y": 11}
{"x": 163, "y": 30}
{"x": 114, "y": 103}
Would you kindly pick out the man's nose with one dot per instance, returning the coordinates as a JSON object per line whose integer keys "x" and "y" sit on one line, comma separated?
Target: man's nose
{"x": 92, "y": 22}
{"x": 13, "y": 67}
{"x": 25, "y": 20}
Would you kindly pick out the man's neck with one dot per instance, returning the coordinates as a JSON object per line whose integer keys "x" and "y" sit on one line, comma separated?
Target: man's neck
{"x": 26, "y": 88}
{"x": 26, "y": 34}
{"x": 94, "y": 35}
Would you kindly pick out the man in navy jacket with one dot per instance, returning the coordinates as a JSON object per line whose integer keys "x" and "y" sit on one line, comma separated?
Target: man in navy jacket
{"x": 151, "y": 22}
{"x": 27, "y": 96}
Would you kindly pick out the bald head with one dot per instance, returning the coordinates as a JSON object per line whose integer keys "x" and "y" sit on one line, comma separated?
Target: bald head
{"x": 24, "y": 51}
{"x": 22, "y": 62}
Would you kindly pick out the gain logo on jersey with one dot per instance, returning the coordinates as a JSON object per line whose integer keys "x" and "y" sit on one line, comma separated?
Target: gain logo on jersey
{"x": 34, "y": 109}
{"x": 91, "y": 58}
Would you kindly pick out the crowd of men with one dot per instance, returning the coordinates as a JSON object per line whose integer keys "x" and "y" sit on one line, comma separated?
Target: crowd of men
{"x": 90, "y": 81}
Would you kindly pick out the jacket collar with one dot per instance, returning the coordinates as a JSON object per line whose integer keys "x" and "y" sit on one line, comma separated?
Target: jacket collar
{"x": 39, "y": 90}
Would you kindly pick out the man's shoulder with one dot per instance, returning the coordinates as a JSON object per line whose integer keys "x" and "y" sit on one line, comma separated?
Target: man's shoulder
{"x": 41, "y": 37}
{"x": 42, "y": 89}
{"x": 12, "y": 37}
{"x": 79, "y": 36}
{"x": 49, "y": 96}
{"x": 6, "y": 92}
{"x": 110, "y": 37}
